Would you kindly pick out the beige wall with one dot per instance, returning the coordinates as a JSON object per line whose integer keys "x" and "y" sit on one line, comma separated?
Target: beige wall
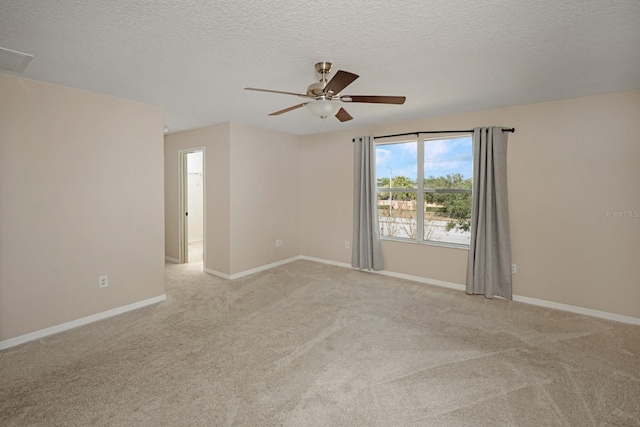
{"x": 326, "y": 195}
{"x": 264, "y": 197}
{"x": 217, "y": 178}
{"x": 568, "y": 162}
{"x": 251, "y": 187}
{"x": 80, "y": 196}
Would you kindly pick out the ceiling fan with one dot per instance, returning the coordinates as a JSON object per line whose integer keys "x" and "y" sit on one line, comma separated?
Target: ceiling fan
{"x": 326, "y": 97}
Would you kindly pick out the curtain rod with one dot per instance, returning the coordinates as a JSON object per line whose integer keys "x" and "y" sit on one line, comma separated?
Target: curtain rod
{"x": 511, "y": 130}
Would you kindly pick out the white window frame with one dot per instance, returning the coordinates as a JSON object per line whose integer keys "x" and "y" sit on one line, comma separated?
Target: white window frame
{"x": 420, "y": 190}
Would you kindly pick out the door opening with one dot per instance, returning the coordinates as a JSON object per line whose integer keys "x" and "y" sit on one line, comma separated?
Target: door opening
{"x": 192, "y": 225}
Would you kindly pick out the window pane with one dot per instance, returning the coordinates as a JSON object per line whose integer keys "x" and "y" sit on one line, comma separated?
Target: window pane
{"x": 448, "y": 167}
{"x": 448, "y": 219}
{"x": 448, "y": 163}
{"x": 397, "y": 168}
{"x": 397, "y": 164}
{"x": 397, "y": 216}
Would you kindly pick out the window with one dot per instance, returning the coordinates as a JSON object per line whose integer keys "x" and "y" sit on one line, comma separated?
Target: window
{"x": 424, "y": 190}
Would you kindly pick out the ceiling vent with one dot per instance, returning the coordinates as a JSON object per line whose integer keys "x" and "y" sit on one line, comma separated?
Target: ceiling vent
{"x": 14, "y": 61}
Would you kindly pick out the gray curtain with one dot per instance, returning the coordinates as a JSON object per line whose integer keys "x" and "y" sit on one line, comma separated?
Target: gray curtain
{"x": 489, "y": 267}
{"x": 367, "y": 252}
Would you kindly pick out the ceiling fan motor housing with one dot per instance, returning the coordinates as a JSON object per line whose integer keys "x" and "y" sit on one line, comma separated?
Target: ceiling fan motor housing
{"x": 316, "y": 90}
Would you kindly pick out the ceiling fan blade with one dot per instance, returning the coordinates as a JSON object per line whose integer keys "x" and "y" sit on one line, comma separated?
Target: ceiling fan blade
{"x": 286, "y": 110}
{"x": 277, "y": 91}
{"x": 374, "y": 99}
{"x": 343, "y": 116}
{"x": 341, "y": 80}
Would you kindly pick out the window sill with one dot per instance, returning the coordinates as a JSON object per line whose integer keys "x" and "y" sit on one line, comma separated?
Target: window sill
{"x": 426, "y": 243}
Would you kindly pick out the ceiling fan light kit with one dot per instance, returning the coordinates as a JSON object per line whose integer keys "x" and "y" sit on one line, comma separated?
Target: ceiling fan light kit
{"x": 326, "y": 95}
{"x": 323, "y": 108}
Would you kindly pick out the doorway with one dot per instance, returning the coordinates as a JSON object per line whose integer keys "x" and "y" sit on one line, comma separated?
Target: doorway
{"x": 192, "y": 225}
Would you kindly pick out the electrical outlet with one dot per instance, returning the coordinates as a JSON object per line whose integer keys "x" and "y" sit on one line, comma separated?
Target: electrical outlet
{"x": 346, "y": 244}
{"x": 514, "y": 268}
{"x": 103, "y": 281}
{"x": 279, "y": 243}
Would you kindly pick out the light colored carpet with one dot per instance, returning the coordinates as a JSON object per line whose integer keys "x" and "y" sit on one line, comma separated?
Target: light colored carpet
{"x": 307, "y": 344}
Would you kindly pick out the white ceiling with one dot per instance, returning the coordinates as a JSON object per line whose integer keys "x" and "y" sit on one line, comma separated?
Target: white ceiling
{"x": 194, "y": 57}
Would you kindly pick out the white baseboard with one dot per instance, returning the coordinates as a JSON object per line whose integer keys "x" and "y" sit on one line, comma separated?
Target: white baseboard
{"x": 325, "y": 261}
{"x": 426, "y": 280}
{"x": 264, "y": 267}
{"x": 173, "y": 260}
{"x": 526, "y": 300}
{"x": 113, "y": 312}
{"x": 578, "y": 310}
{"x": 11, "y": 342}
{"x": 252, "y": 271}
{"x": 216, "y": 273}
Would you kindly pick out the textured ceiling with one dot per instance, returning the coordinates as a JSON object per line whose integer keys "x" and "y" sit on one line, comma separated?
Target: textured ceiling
{"x": 194, "y": 57}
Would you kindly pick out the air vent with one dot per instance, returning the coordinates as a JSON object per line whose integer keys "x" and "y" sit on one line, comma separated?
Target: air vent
{"x": 14, "y": 61}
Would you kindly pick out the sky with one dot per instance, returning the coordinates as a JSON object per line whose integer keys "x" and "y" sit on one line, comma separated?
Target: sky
{"x": 441, "y": 157}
